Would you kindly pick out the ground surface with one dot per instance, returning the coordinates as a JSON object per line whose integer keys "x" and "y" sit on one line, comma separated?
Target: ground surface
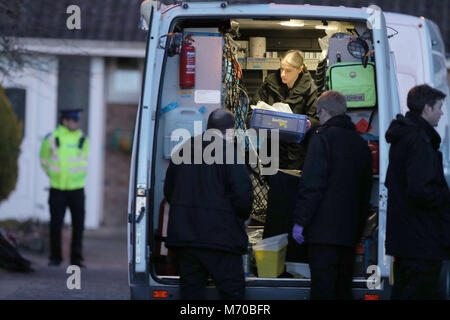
{"x": 105, "y": 277}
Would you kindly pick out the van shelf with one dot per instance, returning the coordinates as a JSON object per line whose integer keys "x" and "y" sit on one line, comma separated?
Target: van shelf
{"x": 271, "y": 63}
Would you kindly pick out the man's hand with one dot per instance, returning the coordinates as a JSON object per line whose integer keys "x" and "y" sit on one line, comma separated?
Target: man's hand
{"x": 297, "y": 234}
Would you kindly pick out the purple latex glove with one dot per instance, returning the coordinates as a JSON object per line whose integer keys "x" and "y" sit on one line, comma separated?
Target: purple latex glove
{"x": 308, "y": 125}
{"x": 297, "y": 233}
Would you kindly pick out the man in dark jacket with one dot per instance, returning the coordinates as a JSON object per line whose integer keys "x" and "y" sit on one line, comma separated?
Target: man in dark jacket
{"x": 333, "y": 199}
{"x": 209, "y": 204}
{"x": 418, "y": 197}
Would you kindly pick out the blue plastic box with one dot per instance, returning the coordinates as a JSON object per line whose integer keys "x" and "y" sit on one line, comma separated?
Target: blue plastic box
{"x": 291, "y": 126}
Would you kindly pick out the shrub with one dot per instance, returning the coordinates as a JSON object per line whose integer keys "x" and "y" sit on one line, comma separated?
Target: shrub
{"x": 10, "y": 139}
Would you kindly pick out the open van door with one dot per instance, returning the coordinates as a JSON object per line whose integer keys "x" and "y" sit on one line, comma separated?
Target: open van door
{"x": 389, "y": 106}
{"x": 139, "y": 193}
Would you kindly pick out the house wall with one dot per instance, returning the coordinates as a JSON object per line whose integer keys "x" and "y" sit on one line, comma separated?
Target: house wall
{"x": 73, "y": 85}
{"x": 38, "y": 82}
{"x": 48, "y": 87}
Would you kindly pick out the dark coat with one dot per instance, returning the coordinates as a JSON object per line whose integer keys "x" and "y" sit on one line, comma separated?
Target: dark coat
{"x": 302, "y": 98}
{"x": 334, "y": 192}
{"x": 418, "y": 210}
{"x": 208, "y": 205}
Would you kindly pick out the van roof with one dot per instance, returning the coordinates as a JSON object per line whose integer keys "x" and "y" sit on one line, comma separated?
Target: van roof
{"x": 283, "y": 9}
{"x": 437, "y": 11}
{"x": 401, "y": 18}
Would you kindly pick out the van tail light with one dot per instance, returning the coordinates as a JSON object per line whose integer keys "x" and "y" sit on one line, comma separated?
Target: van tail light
{"x": 160, "y": 294}
{"x": 371, "y": 297}
{"x": 360, "y": 248}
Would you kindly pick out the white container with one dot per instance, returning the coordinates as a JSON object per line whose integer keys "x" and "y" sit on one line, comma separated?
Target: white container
{"x": 181, "y": 118}
{"x": 257, "y": 47}
{"x": 298, "y": 269}
{"x": 272, "y": 244}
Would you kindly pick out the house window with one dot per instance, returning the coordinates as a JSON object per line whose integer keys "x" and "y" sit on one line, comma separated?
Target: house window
{"x": 126, "y": 81}
{"x": 124, "y": 78}
{"x": 17, "y": 98}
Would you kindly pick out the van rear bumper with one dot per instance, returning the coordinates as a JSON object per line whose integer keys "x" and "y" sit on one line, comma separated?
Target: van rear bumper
{"x": 172, "y": 292}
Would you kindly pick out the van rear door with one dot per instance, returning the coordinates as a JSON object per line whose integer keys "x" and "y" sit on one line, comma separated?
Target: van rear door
{"x": 388, "y": 106}
{"x": 139, "y": 193}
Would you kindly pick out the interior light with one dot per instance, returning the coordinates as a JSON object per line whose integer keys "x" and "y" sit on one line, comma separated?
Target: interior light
{"x": 293, "y": 23}
{"x": 325, "y": 27}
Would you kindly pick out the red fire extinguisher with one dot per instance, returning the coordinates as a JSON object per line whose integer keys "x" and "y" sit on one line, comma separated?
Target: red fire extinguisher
{"x": 187, "y": 64}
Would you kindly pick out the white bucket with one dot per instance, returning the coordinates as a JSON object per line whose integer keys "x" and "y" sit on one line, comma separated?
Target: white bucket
{"x": 257, "y": 47}
{"x": 273, "y": 243}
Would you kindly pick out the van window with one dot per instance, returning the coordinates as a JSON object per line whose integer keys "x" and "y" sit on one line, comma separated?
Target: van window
{"x": 232, "y": 59}
{"x": 438, "y": 56}
{"x": 440, "y": 72}
{"x": 437, "y": 43}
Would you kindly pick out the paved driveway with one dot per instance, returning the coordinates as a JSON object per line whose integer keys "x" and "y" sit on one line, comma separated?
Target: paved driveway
{"x": 105, "y": 277}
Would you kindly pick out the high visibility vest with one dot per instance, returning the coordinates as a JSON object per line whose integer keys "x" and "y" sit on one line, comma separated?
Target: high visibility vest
{"x": 63, "y": 156}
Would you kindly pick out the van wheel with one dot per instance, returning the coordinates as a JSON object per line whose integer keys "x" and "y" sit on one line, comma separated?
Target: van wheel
{"x": 140, "y": 293}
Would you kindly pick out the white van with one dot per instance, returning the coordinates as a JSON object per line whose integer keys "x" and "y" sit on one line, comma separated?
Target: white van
{"x": 224, "y": 32}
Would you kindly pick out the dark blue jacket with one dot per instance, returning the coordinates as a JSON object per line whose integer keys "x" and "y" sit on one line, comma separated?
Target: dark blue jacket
{"x": 334, "y": 192}
{"x": 208, "y": 205}
{"x": 418, "y": 211}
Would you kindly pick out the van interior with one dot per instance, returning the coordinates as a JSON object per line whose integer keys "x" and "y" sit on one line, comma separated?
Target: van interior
{"x": 230, "y": 65}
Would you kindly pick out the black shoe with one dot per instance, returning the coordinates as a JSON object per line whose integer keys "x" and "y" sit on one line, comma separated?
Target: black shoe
{"x": 54, "y": 263}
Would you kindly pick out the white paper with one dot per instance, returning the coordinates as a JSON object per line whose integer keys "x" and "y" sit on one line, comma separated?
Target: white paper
{"x": 207, "y": 96}
{"x": 278, "y": 106}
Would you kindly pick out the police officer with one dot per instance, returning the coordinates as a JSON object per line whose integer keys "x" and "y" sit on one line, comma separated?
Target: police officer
{"x": 63, "y": 157}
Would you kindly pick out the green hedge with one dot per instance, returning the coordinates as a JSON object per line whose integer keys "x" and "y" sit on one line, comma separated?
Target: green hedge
{"x": 10, "y": 139}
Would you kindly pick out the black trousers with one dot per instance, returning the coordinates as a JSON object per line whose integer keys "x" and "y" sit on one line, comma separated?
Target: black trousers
{"x": 196, "y": 265}
{"x": 331, "y": 271}
{"x": 59, "y": 201}
{"x": 281, "y": 203}
{"x": 416, "y": 279}
{"x": 282, "y": 196}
